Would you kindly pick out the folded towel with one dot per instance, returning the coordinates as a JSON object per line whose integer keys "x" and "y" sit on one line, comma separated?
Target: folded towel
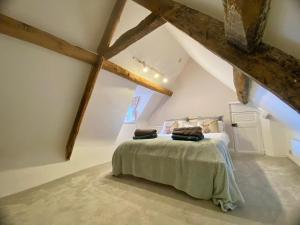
{"x": 186, "y": 138}
{"x": 189, "y": 131}
{"x": 150, "y": 136}
{"x": 140, "y": 132}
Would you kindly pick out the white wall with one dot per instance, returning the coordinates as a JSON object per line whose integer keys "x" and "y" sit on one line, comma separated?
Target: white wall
{"x": 196, "y": 93}
{"x": 106, "y": 111}
{"x": 212, "y": 63}
{"x": 38, "y": 161}
{"x": 79, "y": 22}
{"x": 40, "y": 91}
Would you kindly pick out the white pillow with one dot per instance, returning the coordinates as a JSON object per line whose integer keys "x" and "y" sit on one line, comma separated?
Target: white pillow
{"x": 190, "y": 123}
{"x": 169, "y": 126}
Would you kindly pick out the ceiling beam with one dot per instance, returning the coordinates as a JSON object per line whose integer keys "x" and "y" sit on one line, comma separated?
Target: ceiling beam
{"x": 270, "y": 67}
{"x": 245, "y": 22}
{"x": 104, "y": 44}
{"x": 146, "y": 26}
{"x": 118, "y": 70}
{"x": 18, "y": 30}
{"x": 25, "y": 32}
{"x": 242, "y": 85}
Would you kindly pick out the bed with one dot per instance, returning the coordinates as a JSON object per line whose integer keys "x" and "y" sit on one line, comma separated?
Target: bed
{"x": 203, "y": 169}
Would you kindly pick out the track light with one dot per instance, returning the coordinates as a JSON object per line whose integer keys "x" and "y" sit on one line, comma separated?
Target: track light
{"x": 145, "y": 69}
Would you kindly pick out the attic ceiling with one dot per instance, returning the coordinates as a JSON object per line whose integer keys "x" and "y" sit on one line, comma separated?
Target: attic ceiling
{"x": 168, "y": 56}
{"x": 157, "y": 57}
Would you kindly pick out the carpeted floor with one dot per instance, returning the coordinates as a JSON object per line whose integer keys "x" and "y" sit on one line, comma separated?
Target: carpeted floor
{"x": 271, "y": 187}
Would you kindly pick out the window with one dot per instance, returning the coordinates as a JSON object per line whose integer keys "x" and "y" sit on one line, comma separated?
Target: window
{"x": 131, "y": 115}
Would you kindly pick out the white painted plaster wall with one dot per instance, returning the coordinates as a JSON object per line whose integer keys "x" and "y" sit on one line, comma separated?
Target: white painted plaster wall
{"x": 40, "y": 91}
{"x": 196, "y": 93}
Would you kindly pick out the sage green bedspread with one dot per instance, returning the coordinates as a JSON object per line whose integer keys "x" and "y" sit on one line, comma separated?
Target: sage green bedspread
{"x": 201, "y": 169}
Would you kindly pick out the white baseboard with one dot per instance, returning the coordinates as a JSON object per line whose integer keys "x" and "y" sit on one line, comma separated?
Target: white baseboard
{"x": 294, "y": 159}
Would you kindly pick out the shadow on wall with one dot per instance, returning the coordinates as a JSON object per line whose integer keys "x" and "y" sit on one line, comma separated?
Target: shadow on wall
{"x": 272, "y": 104}
{"x": 23, "y": 159}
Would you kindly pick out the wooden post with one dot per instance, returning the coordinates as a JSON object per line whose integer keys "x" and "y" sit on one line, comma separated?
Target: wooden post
{"x": 242, "y": 85}
{"x": 245, "y": 22}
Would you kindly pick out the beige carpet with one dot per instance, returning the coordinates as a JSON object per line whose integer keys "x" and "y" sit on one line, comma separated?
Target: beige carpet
{"x": 271, "y": 187}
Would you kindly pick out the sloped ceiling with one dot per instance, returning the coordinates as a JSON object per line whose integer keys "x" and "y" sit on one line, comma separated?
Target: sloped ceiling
{"x": 281, "y": 31}
{"x": 282, "y": 26}
{"x": 213, "y": 64}
{"x": 158, "y": 49}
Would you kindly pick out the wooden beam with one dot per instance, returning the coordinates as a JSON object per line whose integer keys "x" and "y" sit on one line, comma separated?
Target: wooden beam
{"x": 14, "y": 27}
{"x": 245, "y": 22}
{"x": 242, "y": 85}
{"x": 118, "y": 70}
{"x": 25, "y": 32}
{"x": 111, "y": 26}
{"x": 104, "y": 44}
{"x": 270, "y": 67}
{"x": 146, "y": 26}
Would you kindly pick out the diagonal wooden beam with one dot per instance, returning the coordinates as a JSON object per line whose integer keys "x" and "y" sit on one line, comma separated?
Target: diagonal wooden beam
{"x": 25, "y": 32}
{"x": 104, "y": 44}
{"x": 146, "y": 26}
{"x": 118, "y": 70}
{"x": 270, "y": 67}
{"x": 17, "y": 30}
{"x": 245, "y": 23}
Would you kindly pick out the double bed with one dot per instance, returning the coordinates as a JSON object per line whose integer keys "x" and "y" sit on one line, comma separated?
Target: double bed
{"x": 203, "y": 169}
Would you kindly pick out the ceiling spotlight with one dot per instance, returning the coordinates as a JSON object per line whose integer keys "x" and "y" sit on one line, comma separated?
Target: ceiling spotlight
{"x": 165, "y": 80}
{"x": 156, "y": 75}
{"x": 145, "y": 69}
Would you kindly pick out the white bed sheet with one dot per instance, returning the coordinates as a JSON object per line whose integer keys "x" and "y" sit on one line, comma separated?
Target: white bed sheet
{"x": 219, "y": 136}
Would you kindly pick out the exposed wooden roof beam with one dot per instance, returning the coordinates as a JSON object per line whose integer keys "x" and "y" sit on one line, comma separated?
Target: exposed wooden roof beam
{"x": 25, "y": 32}
{"x": 242, "y": 85}
{"x": 118, "y": 70}
{"x": 270, "y": 67}
{"x": 146, "y": 26}
{"x": 19, "y": 30}
{"x": 104, "y": 44}
{"x": 245, "y": 23}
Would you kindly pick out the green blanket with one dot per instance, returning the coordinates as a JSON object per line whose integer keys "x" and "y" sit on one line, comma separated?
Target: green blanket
{"x": 201, "y": 169}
